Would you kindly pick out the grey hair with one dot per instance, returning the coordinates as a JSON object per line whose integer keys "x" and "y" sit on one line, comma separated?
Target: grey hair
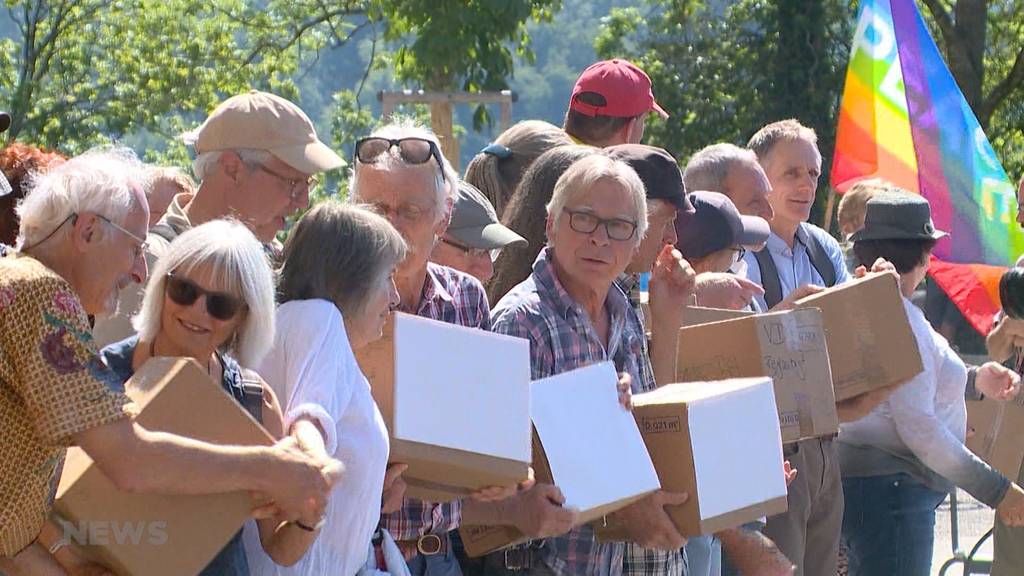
{"x": 708, "y": 168}
{"x": 238, "y": 265}
{"x": 588, "y": 171}
{"x": 337, "y": 252}
{"x": 101, "y": 181}
{"x": 251, "y": 157}
{"x": 174, "y": 174}
{"x": 407, "y": 127}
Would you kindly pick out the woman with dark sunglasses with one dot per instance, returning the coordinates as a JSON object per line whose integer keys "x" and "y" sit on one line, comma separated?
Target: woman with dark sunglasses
{"x": 211, "y": 298}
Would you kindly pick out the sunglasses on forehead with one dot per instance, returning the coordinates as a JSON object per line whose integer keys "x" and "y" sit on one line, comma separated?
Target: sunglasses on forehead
{"x": 413, "y": 150}
{"x": 219, "y": 305}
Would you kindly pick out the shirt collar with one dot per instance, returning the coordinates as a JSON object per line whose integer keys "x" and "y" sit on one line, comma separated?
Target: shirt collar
{"x": 548, "y": 284}
{"x": 176, "y": 217}
{"x": 434, "y": 287}
{"x": 776, "y": 245}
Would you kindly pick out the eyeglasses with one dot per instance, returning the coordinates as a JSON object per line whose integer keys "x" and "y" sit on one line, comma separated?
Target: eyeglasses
{"x": 138, "y": 249}
{"x": 586, "y": 223}
{"x": 220, "y": 305}
{"x": 738, "y": 253}
{"x": 413, "y": 150}
{"x": 478, "y": 253}
{"x": 295, "y": 185}
{"x": 406, "y": 211}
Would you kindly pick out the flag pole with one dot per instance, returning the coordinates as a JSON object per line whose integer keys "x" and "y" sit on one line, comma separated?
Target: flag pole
{"x": 829, "y": 206}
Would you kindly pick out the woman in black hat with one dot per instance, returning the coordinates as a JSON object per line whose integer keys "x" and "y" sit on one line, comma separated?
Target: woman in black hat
{"x": 901, "y": 461}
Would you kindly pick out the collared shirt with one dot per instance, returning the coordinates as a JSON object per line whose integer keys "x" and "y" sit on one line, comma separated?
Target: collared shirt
{"x": 562, "y": 338}
{"x": 53, "y": 386}
{"x": 456, "y": 298}
{"x": 637, "y": 560}
{"x": 794, "y": 264}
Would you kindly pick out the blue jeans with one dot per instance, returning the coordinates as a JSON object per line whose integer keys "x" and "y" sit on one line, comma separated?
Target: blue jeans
{"x": 889, "y": 525}
{"x": 436, "y": 565}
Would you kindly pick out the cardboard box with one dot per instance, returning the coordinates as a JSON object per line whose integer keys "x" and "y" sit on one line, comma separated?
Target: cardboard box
{"x": 152, "y": 534}
{"x": 732, "y": 478}
{"x": 697, "y": 315}
{"x": 788, "y": 346}
{"x": 994, "y": 433}
{"x": 870, "y": 342}
{"x": 456, "y": 402}
{"x": 588, "y": 446}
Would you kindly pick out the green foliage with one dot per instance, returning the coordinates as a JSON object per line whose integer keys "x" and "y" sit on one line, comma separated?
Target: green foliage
{"x": 723, "y": 70}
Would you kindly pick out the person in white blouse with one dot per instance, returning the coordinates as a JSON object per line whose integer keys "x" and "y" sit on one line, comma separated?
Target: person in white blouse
{"x": 901, "y": 461}
{"x": 335, "y": 290}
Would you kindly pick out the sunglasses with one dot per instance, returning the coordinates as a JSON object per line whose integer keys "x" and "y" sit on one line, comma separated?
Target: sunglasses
{"x": 413, "y": 150}
{"x": 219, "y": 305}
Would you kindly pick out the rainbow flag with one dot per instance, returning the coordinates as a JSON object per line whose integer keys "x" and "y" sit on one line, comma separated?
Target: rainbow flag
{"x": 904, "y": 119}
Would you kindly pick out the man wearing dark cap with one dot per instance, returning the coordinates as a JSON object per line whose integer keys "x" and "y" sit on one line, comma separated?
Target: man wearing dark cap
{"x": 474, "y": 237}
{"x": 609, "y": 105}
{"x": 717, "y": 236}
{"x": 670, "y": 288}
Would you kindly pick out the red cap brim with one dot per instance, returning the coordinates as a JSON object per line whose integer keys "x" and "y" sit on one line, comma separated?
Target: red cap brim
{"x": 661, "y": 111}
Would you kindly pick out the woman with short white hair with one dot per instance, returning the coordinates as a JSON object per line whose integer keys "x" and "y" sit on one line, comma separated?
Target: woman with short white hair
{"x": 211, "y": 298}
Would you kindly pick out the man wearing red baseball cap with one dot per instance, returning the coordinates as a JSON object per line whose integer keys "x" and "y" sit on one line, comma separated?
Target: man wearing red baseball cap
{"x": 609, "y": 104}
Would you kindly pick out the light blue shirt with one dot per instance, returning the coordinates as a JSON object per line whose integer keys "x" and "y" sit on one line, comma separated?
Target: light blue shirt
{"x": 794, "y": 265}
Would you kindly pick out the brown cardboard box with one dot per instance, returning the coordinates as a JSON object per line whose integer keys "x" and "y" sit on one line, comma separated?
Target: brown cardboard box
{"x": 870, "y": 342}
{"x": 787, "y": 346}
{"x": 732, "y": 479}
{"x": 995, "y": 430}
{"x": 697, "y": 315}
{"x": 456, "y": 404}
{"x": 151, "y": 534}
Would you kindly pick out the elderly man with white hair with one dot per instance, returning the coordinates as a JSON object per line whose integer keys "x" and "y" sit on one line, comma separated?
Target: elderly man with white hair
{"x": 399, "y": 169}
{"x": 574, "y": 315}
{"x": 82, "y": 237}
{"x": 257, "y": 156}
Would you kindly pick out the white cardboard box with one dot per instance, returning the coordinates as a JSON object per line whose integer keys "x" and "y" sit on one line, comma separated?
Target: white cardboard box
{"x": 456, "y": 402}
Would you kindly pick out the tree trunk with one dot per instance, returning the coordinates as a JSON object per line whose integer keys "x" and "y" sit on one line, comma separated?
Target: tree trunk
{"x": 966, "y": 54}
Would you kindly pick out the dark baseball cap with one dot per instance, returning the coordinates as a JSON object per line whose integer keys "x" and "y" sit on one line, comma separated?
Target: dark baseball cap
{"x": 475, "y": 224}
{"x": 658, "y": 170}
{"x": 715, "y": 225}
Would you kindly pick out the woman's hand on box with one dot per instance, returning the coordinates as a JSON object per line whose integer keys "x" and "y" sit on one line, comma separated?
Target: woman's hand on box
{"x": 625, "y": 388}
{"x": 538, "y": 512}
{"x": 997, "y": 381}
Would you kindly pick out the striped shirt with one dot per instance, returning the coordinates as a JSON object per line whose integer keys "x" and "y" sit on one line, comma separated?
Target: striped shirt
{"x": 562, "y": 338}
{"x": 456, "y": 298}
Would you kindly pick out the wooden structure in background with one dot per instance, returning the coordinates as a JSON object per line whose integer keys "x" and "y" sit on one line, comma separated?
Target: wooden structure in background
{"x": 441, "y": 104}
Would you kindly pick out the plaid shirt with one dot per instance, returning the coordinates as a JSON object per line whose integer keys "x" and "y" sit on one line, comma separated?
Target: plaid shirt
{"x": 637, "y": 560}
{"x": 563, "y": 338}
{"x": 456, "y": 298}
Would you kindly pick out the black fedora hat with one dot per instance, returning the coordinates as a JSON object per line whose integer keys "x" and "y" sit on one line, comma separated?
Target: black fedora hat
{"x": 898, "y": 215}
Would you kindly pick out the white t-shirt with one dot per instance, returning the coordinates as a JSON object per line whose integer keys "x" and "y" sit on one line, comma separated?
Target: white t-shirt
{"x": 314, "y": 373}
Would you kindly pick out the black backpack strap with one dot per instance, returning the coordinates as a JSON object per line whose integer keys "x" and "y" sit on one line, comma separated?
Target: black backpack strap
{"x": 820, "y": 260}
{"x": 769, "y": 277}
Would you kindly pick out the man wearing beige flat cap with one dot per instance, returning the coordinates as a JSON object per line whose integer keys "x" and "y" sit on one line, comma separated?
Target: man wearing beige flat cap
{"x": 257, "y": 157}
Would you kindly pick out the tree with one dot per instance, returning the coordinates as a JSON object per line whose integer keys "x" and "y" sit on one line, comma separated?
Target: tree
{"x": 724, "y": 70}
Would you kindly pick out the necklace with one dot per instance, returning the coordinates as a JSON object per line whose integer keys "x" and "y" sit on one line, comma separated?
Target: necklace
{"x": 210, "y": 364}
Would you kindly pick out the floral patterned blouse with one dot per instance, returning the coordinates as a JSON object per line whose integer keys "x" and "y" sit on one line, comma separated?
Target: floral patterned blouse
{"x": 53, "y": 386}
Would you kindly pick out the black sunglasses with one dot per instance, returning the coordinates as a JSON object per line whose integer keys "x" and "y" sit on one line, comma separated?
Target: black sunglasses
{"x": 220, "y": 305}
{"x": 413, "y": 150}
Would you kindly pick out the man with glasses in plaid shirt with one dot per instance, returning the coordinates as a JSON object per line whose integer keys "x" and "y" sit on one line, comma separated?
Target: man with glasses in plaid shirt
{"x": 257, "y": 156}
{"x": 399, "y": 170}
